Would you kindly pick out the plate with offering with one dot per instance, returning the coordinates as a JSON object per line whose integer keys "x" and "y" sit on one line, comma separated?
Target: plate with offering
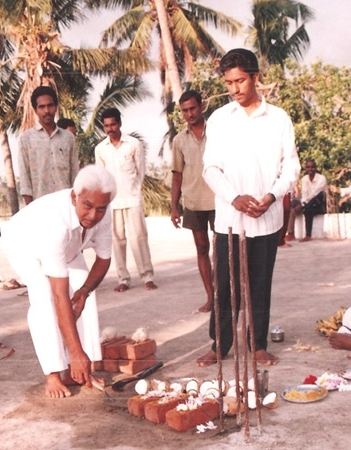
{"x": 304, "y": 393}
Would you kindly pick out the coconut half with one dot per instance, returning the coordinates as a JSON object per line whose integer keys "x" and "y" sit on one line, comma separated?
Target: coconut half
{"x": 270, "y": 400}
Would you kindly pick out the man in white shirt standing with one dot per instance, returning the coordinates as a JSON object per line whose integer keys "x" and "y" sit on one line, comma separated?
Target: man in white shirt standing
{"x": 44, "y": 243}
{"x": 250, "y": 162}
{"x": 123, "y": 156}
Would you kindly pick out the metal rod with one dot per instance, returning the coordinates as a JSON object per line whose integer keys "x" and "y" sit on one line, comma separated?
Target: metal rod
{"x": 218, "y": 334}
{"x": 233, "y": 302}
{"x": 243, "y": 272}
{"x": 248, "y": 303}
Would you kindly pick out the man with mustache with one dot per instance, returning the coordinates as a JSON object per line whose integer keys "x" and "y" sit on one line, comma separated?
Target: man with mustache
{"x": 123, "y": 155}
{"x": 47, "y": 159}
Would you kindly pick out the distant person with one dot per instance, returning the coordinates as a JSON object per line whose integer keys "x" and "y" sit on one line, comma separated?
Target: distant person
{"x": 250, "y": 162}
{"x": 313, "y": 202}
{"x": 47, "y": 159}
{"x": 67, "y": 124}
{"x": 345, "y": 193}
{"x": 44, "y": 243}
{"x": 123, "y": 156}
{"x": 187, "y": 181}
{"x": 341, "y": 340}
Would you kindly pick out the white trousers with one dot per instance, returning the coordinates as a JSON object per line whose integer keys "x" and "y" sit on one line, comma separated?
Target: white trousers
{"x": 42, "y": 320}
{"x": 130, "y": 222}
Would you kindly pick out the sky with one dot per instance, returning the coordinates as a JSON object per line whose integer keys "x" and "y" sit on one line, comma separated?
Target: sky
{"x": 330, "y": 36}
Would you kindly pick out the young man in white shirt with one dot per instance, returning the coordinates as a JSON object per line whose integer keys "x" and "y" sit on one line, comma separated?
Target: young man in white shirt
{"x": 250, "y": 163}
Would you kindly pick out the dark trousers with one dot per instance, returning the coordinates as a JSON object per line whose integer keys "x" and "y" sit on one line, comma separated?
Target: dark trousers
{"x": 317, "y": 205}
{"x": 261, "y": 253}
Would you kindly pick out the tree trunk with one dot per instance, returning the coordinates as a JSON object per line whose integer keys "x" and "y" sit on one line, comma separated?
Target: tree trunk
{"x": 9, "y": 174}
{"x": 171, "y": 62}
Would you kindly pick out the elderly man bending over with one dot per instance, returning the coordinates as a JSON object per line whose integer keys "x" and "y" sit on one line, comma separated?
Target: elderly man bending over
{"x": 44, "y": 244}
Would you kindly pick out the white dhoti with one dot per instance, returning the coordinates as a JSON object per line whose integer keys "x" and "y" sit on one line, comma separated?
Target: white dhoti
{"x": 42, "y": 320}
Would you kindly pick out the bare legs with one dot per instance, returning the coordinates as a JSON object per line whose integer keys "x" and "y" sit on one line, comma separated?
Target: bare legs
{"x": 204, "y": 264}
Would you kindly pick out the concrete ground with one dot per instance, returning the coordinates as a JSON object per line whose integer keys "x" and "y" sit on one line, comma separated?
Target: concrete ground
{"x": 311, "y": 282}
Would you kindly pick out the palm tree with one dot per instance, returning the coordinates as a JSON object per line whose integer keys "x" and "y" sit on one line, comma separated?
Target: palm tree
{"x": 186, "y": 21}
{"x": 270, "y": 34}
{"x": 31, "y": 54}
{"x": 33, "y": 29}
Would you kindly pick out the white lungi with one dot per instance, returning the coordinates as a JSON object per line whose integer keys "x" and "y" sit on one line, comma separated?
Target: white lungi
{"x": 42, "y": 320}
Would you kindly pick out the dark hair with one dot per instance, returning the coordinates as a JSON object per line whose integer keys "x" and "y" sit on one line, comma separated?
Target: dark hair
{"x": 65, "y": 123}
{"x": 187, "y": 95}
{"x": 310, "y": 160}
{"x": 111, "y": 112}
{"x": 43, "y": 90}
{"x": 239, "y": 57}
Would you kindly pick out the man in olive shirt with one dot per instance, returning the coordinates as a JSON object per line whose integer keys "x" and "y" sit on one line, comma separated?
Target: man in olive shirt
{"x": 187, "y": 151}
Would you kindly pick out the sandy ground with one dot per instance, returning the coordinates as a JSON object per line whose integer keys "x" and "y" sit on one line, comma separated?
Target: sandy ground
{"x": 311, "y": 281}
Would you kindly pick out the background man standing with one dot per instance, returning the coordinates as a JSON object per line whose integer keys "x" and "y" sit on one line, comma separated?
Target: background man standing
{"x": 44, "y": 243}
{"x": 123, "y": 156}
{"x": 250, "y": 162}
{"x": 187, "y": 166}
{"x": 47, "y": 159}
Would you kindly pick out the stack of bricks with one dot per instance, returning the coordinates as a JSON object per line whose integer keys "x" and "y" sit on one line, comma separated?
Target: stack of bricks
{"x": 158, "y": 408}
{"x": 127, "y": 356}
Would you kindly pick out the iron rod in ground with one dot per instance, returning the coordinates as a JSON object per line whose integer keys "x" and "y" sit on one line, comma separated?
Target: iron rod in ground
{"x": 233, "y": 302}
{"x": 218, "y": 334}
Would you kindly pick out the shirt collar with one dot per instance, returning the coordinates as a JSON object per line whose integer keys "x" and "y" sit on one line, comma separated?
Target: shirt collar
{"x": 40, "y": 127}
{"x": 260, "y": 111}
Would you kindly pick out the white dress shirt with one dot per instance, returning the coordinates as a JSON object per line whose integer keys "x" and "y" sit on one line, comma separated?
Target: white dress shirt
{"x": 310, "y": 188}
{"x": 250, "y": 155}
{"x": 126, "y": 162}
{"x": 49, "y": 231}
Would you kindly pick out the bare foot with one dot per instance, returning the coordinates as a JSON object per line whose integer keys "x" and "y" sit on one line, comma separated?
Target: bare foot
{"x": 206, "y": 307}
{"x": 54, "y": 387}
{"x": 306, "y": 239}
{"x": 340, "y": 341}
{"x": 150, "y": 285}
{"x": 207, "y": 360}
{"x": 121, "y": 287}
{"x": 285, "y": 245}
{"x": 289, "y": 237}
{"x": 265, "y": 358}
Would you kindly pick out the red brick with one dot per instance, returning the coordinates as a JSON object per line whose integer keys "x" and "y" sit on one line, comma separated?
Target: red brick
{"x": 155, "y": 411}
{"x": 133, "y": 366}
{"x": 111, "y": 349}
{"x": 137, "y": 403}
{"x": 138, "y": 350}
{"x": 111, "y": 365}
{"x": 97, "y": 365}
{"x": 184, "y": 420}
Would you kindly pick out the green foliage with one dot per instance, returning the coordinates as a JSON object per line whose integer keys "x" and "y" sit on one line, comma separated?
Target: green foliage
{"x": 206, "y": 80}
{"x": 318, "y": 99}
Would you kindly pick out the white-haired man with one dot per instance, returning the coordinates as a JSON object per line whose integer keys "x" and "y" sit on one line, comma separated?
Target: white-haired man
{"x": 44, "y": 244}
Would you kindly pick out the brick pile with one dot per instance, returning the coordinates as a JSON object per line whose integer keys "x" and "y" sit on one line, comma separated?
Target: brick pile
{"x": 171, "y": 409}
{"x": 125, "y": 355}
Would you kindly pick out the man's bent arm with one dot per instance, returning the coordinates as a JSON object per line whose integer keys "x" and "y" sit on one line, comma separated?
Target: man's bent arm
{"x": 95, "y": 276}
